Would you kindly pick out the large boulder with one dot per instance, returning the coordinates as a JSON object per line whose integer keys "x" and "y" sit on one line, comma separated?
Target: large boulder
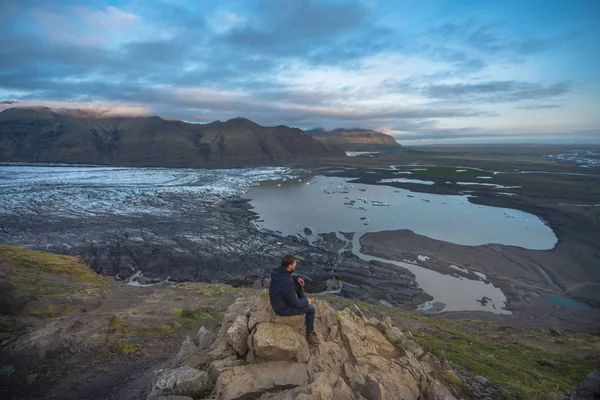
{"x": 253, "y": 380}
{"x": 279, "y": 342}
{"x": 182, "y": 381}
{"x": 261, "y": 312}
{"x": 237, "y": 335}
{"x": 324, "y": 386}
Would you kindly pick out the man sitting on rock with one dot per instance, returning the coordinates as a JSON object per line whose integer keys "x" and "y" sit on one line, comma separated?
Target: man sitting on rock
{"x": 286, "y": 293}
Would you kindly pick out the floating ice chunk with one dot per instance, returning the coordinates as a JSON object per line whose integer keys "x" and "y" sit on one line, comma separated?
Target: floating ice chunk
{"x": 480, "y": 274}
{"x": 466, "y": 271}
{"x": 422, "y": 258}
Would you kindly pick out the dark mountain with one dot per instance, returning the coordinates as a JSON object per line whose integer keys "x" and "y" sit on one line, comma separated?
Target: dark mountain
{"x": 40, "y": 134}
{"x": 355, "y": 139}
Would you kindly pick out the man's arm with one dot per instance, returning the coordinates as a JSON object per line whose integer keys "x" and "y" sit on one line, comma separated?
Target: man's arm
{"x": 298, "y": 279}
{"x": 291, "y": 298}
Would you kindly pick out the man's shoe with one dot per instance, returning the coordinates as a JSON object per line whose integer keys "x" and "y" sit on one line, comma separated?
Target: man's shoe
{"x": 313, "y": 338}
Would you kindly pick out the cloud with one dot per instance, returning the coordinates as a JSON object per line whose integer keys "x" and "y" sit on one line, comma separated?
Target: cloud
{"x": 83, "y": 26}
{"x": 304, "y": 63}
{"x": 536, "y": 106}
{"x": 495, "y": 91}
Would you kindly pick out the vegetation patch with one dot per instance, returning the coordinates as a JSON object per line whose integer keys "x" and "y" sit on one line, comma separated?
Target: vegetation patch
{"x": 118, "y": 326}
{"x": 207, "y": 289}
{"x": 125, "y": 348}
{"x": 194, "y": 315}
{"x": 451, "y": 378}
{"x": 520, "y": 371}
{"x": 27, "y": 260}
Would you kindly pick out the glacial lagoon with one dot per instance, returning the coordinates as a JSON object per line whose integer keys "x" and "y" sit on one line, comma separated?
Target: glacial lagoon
{"x": 331, "y": 204}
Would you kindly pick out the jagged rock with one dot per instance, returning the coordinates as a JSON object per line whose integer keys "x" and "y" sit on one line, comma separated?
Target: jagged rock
{"x": 354, "y": 334}
{"x": 237, "y": 335}
{"x": 251, "y": 381}
{"x": 193, "y": 351}
{"x": 414, "y": 348}
{"x": 220, "y": 350}
{"x": 379, "y": 378}
{"x": 437, "y": 391}
{"x": 261, "y": 312}
{"x": 204, "y": 338}
{"x": 323, "y": 387}
{"x": 218, "y": 366}
{"x": 279, "y": 365}
{"x": 382, "y": 346}
{"x": 279, "y": 342}
{"x": 328, "y": 358}
{"x": 187, "y": 350}
{"x": 479, "y": 388}
{"x": 589, "y": 388}
{"x": 184, "y": 381}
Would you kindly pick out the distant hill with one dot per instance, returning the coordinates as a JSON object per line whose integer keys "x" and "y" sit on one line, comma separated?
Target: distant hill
{"x": 41, "y": 134}
{"x": 356, "y": 139}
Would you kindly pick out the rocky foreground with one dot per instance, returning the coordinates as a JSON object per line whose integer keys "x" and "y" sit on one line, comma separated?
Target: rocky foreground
{"x": 69, "y": 333}
{"x": 259, "y": 355}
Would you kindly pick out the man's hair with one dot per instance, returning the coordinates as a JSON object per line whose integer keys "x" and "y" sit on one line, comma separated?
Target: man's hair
{"x": 287, "y": 260}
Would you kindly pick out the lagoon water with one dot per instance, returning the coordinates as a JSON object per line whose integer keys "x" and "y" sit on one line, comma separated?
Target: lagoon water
{"x": 318, "y": 204}
{"x": 330, "y": 204}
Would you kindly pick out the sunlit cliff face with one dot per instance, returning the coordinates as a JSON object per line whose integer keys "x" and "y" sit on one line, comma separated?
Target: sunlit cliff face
{"x": 439, "y": 71}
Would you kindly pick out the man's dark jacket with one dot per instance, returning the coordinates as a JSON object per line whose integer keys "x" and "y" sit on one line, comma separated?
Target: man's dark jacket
{"x": 282, "y": 292}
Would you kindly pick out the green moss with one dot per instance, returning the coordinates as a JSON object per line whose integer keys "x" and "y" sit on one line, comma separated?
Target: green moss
{"x": 451, "y": 378}
{"x": 207, "y": 289}
{"x": 27, "y": 260}
{"x": 125, "y": 348}
{"x": 118, "y": 326}
{"x": 399, "y": 343}
{"x": 194, "y": 315}
{"x": 520, "y": 371}
{"x": 554, "y": 331}
{"x": 160, "y": 330}
{"x": 210, "y": 386}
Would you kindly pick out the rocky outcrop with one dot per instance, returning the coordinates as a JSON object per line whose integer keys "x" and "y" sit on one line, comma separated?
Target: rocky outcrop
{"x": 359, "y": 359}
{"x": 589, "y": 389}
{"x": 180, "y": 381}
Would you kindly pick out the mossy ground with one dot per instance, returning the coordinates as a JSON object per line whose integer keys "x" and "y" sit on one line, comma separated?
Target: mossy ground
{"x": 29, "y": 264}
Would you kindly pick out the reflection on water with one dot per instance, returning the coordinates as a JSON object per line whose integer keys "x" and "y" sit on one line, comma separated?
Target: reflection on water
{"x": 331, "y": 204}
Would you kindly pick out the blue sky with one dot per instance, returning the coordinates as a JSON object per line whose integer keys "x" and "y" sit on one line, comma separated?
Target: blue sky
{"x": 425, "y": 71}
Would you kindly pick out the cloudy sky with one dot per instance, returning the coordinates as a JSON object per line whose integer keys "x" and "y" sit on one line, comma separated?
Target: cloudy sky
{"x": 426, "y": 71}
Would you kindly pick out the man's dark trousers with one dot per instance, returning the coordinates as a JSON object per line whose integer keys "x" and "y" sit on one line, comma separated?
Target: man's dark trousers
{"x": 308, "y": 310}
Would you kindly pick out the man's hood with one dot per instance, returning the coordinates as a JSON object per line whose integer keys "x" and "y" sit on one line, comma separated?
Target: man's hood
{"x": 279, "y": 273}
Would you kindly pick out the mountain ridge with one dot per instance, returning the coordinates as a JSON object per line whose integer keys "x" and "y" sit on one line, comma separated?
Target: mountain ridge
{"x": 42, "y": 134}
{"x": 356, "y": 139}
